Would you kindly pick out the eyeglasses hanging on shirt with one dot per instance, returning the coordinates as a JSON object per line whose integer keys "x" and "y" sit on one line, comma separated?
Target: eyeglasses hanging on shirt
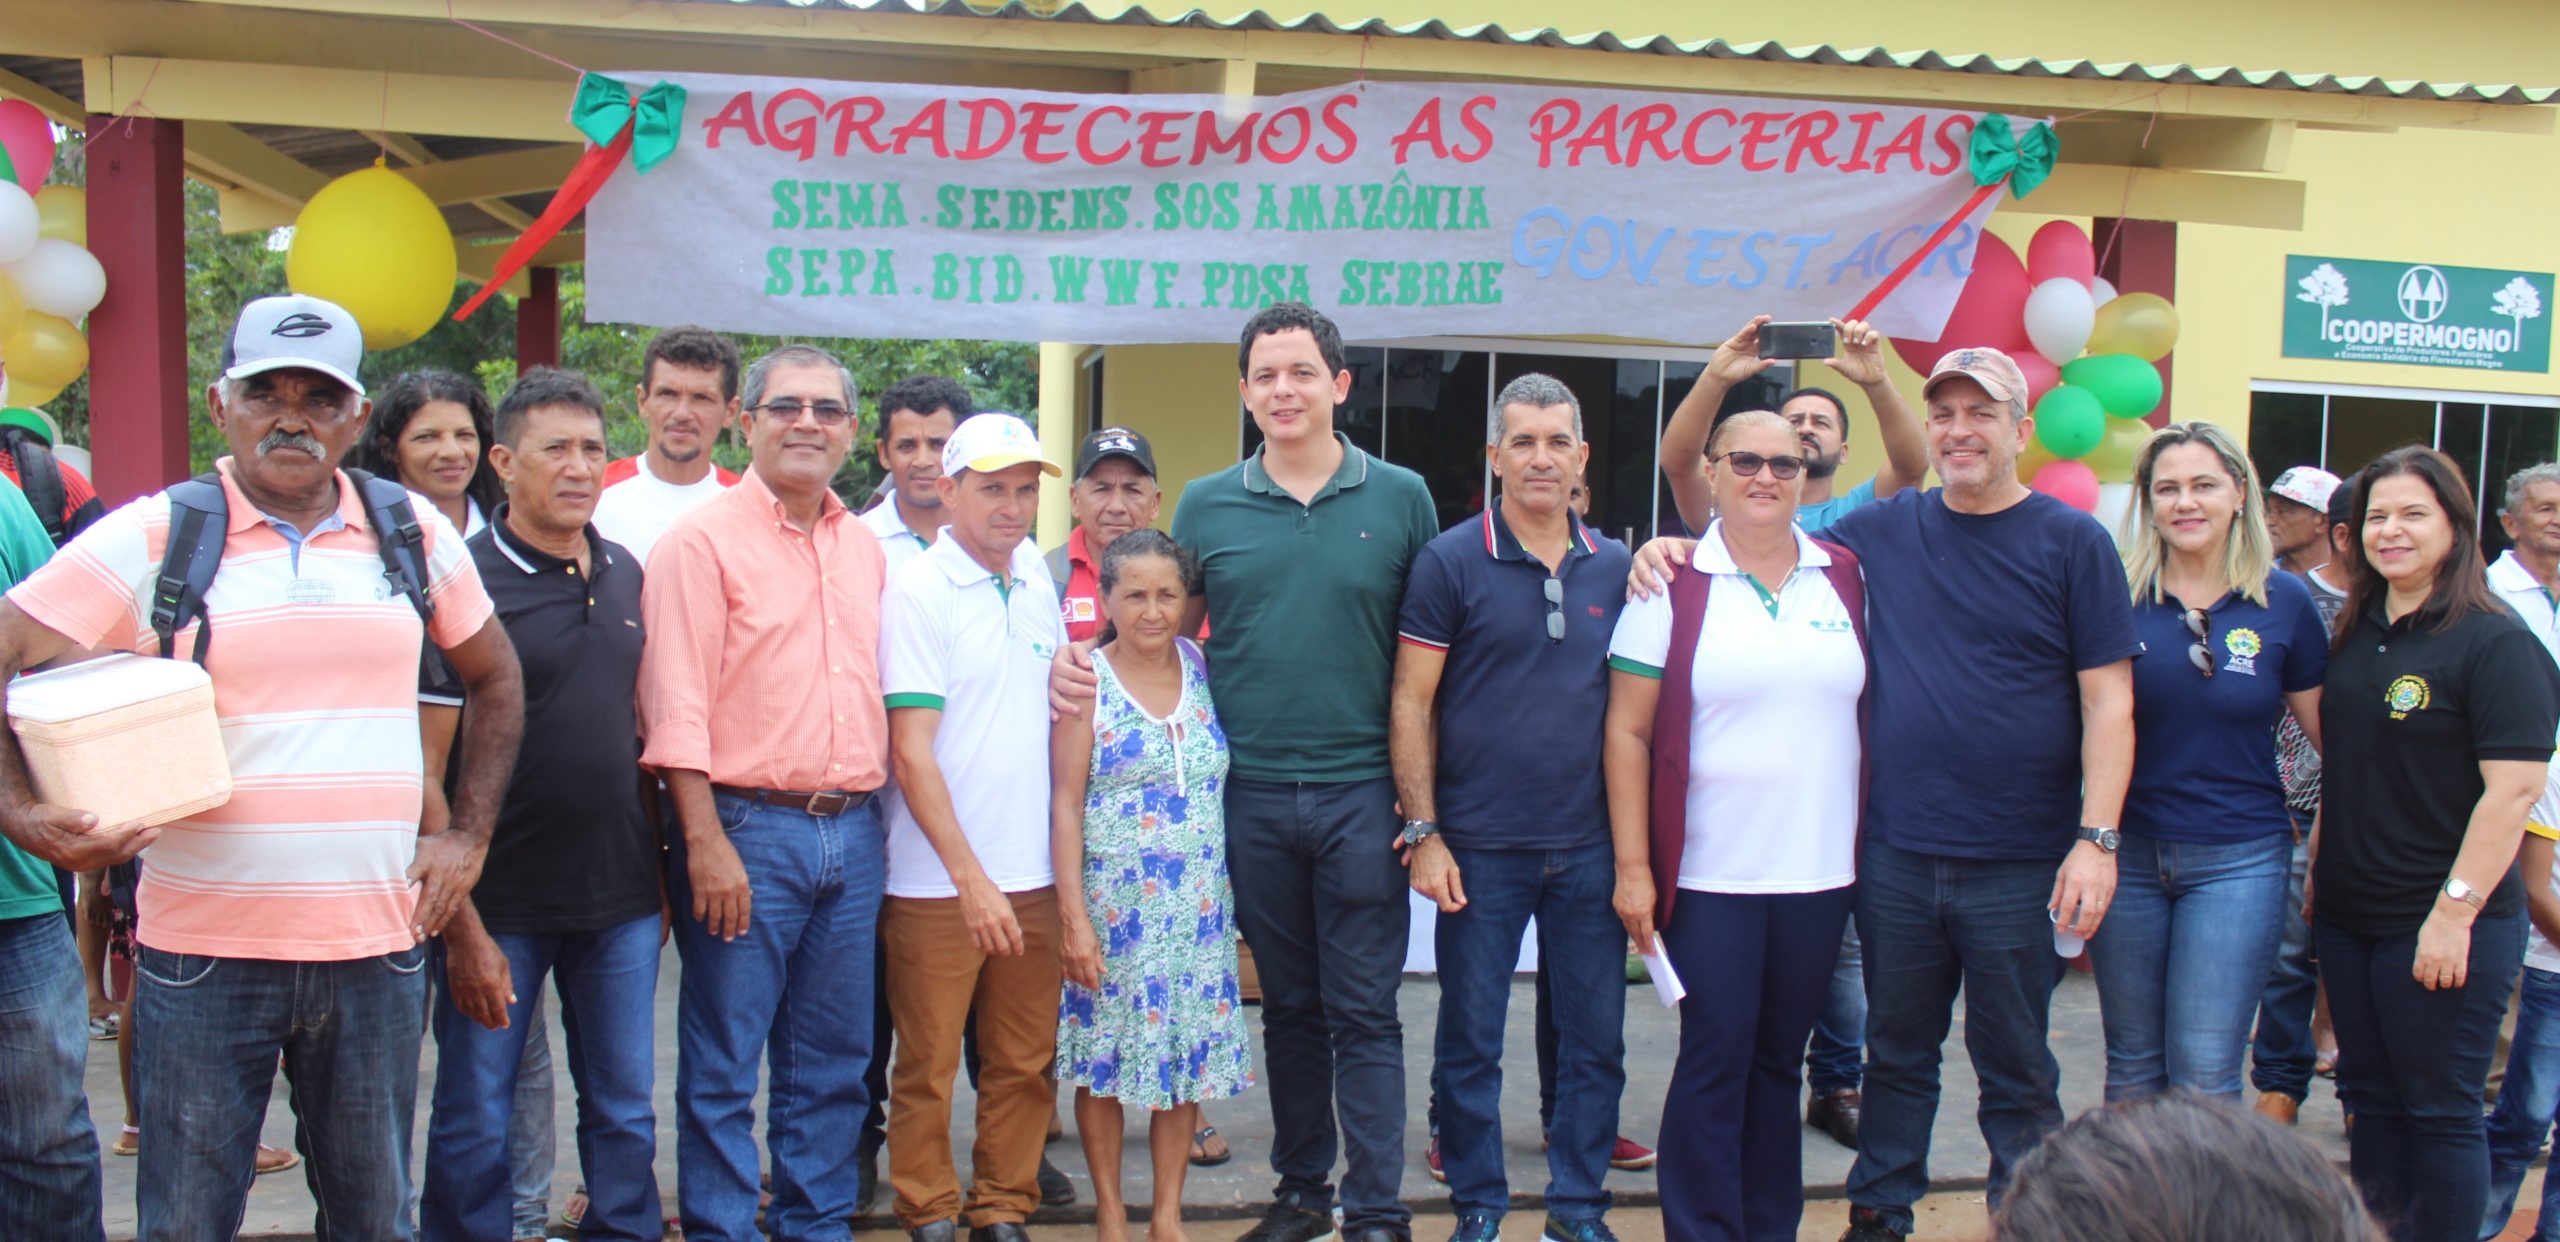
{"x": 1555, "y": 610}
{"x": 2200, "y": 652}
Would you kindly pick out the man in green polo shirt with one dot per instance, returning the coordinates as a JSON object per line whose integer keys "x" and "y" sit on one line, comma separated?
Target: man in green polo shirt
{"x": 1304, "y": 548}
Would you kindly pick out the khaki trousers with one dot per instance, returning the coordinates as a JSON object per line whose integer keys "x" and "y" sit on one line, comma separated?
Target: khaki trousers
{"x": 935, "y": 976}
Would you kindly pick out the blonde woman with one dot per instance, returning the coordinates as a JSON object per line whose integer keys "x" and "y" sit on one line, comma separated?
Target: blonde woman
{"x": 2229, "y": 647}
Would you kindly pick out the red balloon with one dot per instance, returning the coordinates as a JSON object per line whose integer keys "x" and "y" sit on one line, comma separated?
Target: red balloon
{"x": 28, "y": 137}
{"x": 2041, "y": 374}
{"x": 1991, "y": 310}
{"x": 2060, "y": 251}
{"x": 2071, "y": 482}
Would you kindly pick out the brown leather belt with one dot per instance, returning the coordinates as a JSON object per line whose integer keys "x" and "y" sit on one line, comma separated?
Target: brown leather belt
{"x": 824, "y": 802}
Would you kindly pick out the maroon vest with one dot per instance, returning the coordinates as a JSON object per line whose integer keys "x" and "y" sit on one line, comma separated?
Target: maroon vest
{"x": 1674, "y": 710}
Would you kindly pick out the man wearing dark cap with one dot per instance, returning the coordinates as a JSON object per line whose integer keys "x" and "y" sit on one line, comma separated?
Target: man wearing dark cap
{"x": 1114, "y": 493}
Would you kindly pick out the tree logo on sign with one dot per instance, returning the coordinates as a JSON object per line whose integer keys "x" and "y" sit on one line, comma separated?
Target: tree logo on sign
{"x": 2422, "y": 296}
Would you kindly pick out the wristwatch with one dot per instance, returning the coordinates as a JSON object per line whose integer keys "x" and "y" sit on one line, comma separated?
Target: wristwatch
{"x": 2464, "y": 893}
{"x": 2107, "y": 838}
{"x": 1416, "y": 829}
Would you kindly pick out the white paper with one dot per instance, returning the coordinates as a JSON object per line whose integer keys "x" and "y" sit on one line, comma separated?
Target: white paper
{"x": 1666, "y": 981}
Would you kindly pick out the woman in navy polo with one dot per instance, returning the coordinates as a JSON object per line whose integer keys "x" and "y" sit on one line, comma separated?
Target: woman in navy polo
{"x": 2439, "y": 714}
{"x": 2229, "y": 646}
{"x": 1733, "y": 755}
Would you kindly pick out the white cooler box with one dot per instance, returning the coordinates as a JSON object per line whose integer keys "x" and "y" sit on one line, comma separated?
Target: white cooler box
{"x": 124, "y": 737}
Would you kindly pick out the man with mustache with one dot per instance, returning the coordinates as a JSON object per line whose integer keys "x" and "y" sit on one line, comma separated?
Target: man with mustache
{"x": 292, "y": 920}
{"x": 688, "y": 393}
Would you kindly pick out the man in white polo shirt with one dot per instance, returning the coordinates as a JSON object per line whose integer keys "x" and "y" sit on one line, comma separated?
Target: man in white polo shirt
{"x": 970, "y": 626}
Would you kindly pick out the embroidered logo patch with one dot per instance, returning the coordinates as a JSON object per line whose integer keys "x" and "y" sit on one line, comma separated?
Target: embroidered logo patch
{"x": 2407, "y": 694}
{"x": 2244, "y": 646}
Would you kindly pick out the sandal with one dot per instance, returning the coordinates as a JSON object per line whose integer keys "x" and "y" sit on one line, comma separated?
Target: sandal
{"x": 128, "y": 1143}
{"x": 102, "y": 1029}
{"x": 1200, "y": 1155}
{"x": 275, "y": 1160}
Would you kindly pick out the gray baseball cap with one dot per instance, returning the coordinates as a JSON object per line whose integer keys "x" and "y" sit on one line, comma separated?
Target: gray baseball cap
{"x": 295, "y": 331}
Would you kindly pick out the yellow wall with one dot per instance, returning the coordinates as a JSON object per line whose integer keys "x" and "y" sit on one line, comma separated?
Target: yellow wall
{"x": 1182, "y": 398}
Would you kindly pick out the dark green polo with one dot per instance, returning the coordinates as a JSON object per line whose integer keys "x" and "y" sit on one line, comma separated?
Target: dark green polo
{"x": 1302, "y": 611}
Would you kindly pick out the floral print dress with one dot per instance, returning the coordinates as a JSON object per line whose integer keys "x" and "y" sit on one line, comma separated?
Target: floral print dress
{"x": 1167, "y": 1027}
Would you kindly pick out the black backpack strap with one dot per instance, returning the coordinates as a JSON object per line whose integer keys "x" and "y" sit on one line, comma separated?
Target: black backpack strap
{"x": 199, "y": 521}
{"x": 403, "y": 540}
{"x": 40, "y": 477}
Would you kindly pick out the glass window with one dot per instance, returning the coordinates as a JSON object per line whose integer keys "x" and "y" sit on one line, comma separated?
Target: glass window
{"x": 2460, "y": 427}
{"x": 1677, "y": 379}
{"x": 2519, "y": 436}
{"x": 2284, "y": 432}
{"x": 2363, "y": 428}
{"x": 1436, "y": 402}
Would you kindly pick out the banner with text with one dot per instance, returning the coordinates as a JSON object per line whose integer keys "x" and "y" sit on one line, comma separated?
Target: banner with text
{"x": 1399, "y": 208}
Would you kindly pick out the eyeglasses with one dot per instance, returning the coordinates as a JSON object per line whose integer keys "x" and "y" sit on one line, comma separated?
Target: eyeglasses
{"x": 830, "y": 413}
{"x": 1555, "y": 610}
{"x": 2200, "y": 652}
{"x": 1746, "y": 465}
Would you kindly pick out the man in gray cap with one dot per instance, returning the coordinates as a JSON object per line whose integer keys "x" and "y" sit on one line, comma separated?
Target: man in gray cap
{"x": 1114, "y": 493}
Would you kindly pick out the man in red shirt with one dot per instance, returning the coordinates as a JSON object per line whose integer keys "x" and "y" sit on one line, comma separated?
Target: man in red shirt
{"x": 1114, "y": 493}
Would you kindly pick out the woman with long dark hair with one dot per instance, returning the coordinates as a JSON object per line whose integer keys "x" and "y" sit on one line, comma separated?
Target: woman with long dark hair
{"x": 2438, "y": 717}
{"x": 431, "y": 431}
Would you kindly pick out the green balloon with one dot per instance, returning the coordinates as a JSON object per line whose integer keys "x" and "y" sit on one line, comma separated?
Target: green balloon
{"x": 2125, "y": 385}
{"x": 2070, "y": 422}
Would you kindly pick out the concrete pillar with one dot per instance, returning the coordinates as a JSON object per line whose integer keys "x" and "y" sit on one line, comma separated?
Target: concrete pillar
{"x": 1059, "y": 437}
{"x": 139, "y": 397}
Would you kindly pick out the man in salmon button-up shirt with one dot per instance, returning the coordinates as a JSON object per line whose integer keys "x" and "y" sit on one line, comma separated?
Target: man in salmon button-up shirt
{"x": 760, "y": 695}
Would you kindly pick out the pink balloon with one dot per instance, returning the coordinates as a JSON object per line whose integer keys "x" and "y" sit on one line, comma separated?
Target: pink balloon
{"x": 2060, "y": 251}
{"x": 1991, "y": 310}
{"x": 2041, "y": 374}
{"x": 28, "y": 137}
{"x": 2071, "y": 482}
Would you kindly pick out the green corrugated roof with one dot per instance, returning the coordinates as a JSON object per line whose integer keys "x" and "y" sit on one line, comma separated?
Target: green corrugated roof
{"x": 1718, "y": 49}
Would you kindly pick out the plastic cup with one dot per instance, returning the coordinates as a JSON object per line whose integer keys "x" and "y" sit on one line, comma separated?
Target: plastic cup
{"x": 2066, "y": 942}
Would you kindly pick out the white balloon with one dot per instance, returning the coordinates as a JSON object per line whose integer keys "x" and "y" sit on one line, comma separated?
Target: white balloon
{"x": 20, "y": 224}
{"x": 2060, "y": 315}
{"x": 2100, "y": 291}
{"x": 77, "y": 458}
{"x": 60, "y": 279}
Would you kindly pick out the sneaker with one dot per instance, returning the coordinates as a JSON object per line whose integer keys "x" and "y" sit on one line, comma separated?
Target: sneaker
{"x": 1055, "y": 1189}
{"x": 1477, "y": 1227}
{"x": 1630, "y": 1154}
{"x": 1285, "y": 1221}
{"x": 1587, "y": 1229}
{"x": 1867, "y": 1225}
{"x": 1431, "y": 1160}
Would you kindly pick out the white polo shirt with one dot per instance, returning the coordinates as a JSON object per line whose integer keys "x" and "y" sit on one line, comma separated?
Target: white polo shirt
{"x": 953, "y": 638}
{"x": 1773, "y": 742}
{"x": 2534, "y": 606}
{"x": 900, "y": 544}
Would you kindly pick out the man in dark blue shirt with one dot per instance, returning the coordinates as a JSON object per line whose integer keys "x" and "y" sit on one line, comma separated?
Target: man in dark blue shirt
{"x": 1515, "y": 607}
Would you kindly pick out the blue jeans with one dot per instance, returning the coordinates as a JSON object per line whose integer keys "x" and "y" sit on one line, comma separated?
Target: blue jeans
{"x": 209, "y": 1032}
{"x": 1836, "y": 1060}
{"x": 795, "y": 992}
{"x": 2284, "y": 1056}
{"x": 608, "y": 983}
{"x": 2411, "y": 1064}
{"x": 1321, "y": 900}
{"x": 2527, "y": 1105}
{"x": 1931, "y": 925}
{"x": 532, "y": 1129}
{"x": 1479, "y": 948}
{"x": 1756, "y": 967}
{"x": 2182, "y": 958}
{"x": 48, "y": 1150}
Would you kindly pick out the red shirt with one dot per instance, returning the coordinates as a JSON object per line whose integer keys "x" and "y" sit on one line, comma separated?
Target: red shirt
{"x": 1081, "y": 606}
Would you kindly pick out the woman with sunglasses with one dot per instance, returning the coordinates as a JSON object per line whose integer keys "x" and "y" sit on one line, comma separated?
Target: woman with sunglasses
{"x": 2229, "y": 648}
{"x": 1734, "y": 753}
{"x": 2439, "y": 716}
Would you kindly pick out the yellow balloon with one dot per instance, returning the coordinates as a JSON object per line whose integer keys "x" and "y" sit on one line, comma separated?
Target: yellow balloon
{"x": 32, "y": 395}
{"x": 2114, "y": 457}
{"x": 45, "y": 351}
{"x": 378, "y": 246}
{"x": 2141, "y": 324}
{"x": 2033, "y": 458}
{"x": 13, "y": 308}
{"x": 62, "y": 211}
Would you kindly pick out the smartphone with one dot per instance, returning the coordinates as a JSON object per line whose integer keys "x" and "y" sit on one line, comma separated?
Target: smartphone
{"x": 1798, "y": 340}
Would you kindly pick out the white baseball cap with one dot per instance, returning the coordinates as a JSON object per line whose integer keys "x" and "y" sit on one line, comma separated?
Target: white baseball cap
{"x": 989, "y": 442}
{"x": 295, "y": 331}
{"x": 2306, "y": 485}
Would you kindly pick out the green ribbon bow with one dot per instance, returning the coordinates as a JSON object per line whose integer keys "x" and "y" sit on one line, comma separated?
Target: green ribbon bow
{"x": 604, "y": 105}
{"x": 2025, "y": 159}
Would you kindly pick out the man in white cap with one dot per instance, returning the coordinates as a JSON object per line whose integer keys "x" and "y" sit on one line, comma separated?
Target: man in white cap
{"x": 971, "y": 919}
{"x": 292, "y": 920}
{"x": 2298, "y": 517}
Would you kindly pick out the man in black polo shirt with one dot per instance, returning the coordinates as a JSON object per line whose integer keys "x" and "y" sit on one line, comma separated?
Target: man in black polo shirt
{"x": 1504, "y": 822}
{"x": 571, "y": 888}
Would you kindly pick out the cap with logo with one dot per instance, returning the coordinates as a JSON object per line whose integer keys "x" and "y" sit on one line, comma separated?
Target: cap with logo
{"x": 2308, "y": 486}
{"x": 1997, "y": 372}
{"x": 988, "y": 442}
{"x": 1114, "y": 442}
{"x": 295, "y": 331}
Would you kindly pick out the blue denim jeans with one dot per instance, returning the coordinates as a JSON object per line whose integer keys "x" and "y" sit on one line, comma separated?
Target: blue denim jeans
{"x": 1478, "y": 949}
{"x": 48, "y": 1150}
{"x": 209, "y": 1030}
{"x": 1930, "y": 926}
{"x": 533, "y": 1129}
{"x": 2411, "y": 1064}
{"x": 2284, "y": 1055}
{"x": 1836, "y": 1060}
{"x": 608, "y": 983}
{"x": 2527, "y": 1104}
{"x": 2182, "y": 958}
{"x": 794, "y": 992}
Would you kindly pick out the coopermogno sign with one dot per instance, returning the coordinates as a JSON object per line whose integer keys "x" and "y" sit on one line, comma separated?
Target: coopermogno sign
{"x": 2428, "y": 314}
{"x": 858, "y": 209}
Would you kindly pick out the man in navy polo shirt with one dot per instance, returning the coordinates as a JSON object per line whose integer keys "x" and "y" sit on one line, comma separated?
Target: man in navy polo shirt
{"x": 1513, "y": 607}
